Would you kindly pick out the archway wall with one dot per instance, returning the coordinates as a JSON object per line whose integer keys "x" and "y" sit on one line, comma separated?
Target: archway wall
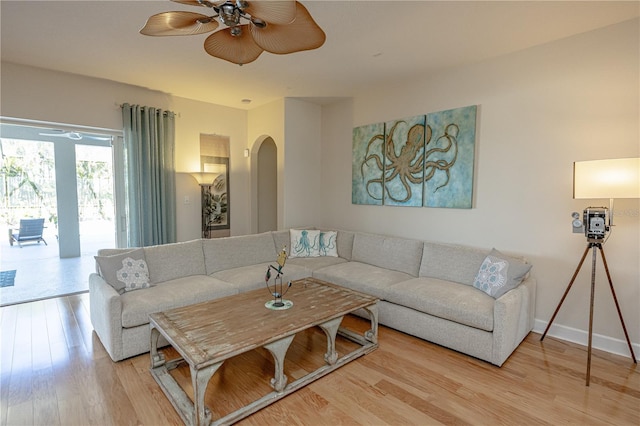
{"x": 299, "y": 165}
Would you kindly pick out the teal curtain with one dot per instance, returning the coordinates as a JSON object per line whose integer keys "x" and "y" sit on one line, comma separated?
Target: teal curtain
{"x": 149, "y": 139}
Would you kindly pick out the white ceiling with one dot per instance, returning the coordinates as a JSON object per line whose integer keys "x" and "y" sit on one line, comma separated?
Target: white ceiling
{"x": 368, "y": 42}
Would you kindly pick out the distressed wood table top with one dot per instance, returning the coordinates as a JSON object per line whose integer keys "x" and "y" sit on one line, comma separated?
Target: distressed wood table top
{"x": 210, "y": 332}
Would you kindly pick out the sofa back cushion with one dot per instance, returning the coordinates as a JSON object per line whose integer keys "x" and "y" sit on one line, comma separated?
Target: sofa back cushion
{"x": 345, "y": 244}
{"x": 170, "y": 261}
{"x": 398, "y": 254}
{"x": 451, "y": 262}
{"x": 234, "y": 252}
{"x": 281, "y": 239}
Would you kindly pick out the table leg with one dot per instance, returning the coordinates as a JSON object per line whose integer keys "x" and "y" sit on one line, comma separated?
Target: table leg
{"x": 200, "y": 380}
{"x": 330, "y": 328}
{"x": 278, "y": 350}
{"x": 372, "y": 334}
{"x": 157, "y": 358}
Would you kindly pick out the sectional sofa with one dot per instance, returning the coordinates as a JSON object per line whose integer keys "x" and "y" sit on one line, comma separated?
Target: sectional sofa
{"x": 476, "y": 301}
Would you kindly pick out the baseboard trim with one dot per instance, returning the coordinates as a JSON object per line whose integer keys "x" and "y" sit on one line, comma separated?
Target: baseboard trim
{"x": 581, "y": 337}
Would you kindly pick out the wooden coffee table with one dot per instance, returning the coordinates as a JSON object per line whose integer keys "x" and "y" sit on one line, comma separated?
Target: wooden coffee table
{"x": 207, "y": 334}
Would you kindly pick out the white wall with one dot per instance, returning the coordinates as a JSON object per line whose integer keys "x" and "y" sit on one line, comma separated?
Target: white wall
{"x": 302, "y": 163}
{"x": 201, "y": 117}
{"x": 295, "y": 127}
{"x": 539, "y": 111}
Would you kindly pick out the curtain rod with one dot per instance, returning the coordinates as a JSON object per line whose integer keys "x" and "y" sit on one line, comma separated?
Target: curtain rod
{"x": 177, "y": 114}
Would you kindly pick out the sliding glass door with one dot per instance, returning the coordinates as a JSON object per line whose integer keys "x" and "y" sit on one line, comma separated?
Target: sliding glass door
{"x": 67, "y": 177}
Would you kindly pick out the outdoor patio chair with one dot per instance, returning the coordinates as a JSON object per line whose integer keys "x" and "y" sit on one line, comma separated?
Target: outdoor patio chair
{"x": 30, "y": 230}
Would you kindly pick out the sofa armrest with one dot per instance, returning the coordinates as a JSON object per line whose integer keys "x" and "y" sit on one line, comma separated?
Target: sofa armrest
{"x": 106, "y": 315}
{"x": 513, "y": 317}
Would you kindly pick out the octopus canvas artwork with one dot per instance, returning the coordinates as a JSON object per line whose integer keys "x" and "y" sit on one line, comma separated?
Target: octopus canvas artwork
{"x": 425, "y": 160}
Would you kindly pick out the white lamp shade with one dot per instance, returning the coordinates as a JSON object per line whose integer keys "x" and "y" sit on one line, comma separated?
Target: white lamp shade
{"x": 619, "y": 178}
{"x": 204, "y": 178}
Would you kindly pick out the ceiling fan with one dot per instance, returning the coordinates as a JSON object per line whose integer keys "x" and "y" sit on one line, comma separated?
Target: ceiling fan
{"x": 243, "y": 28}
{"x": 75, "y": 136}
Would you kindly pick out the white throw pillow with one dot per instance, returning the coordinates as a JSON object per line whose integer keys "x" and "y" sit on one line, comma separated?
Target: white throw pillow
{"x": 134, "y": 274}
{"x": 499, "y": 273}
{"x": 126, "y": 271}
{"x": 304, "y": 243}
{"x": 328, "y": 243}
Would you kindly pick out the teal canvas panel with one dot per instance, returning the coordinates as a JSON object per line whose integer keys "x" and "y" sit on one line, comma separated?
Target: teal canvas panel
{"x": 367, "y": 164}
{"x": 449, "y": 158}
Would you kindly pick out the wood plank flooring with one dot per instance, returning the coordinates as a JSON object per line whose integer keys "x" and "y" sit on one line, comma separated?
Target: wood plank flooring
{"x": 54, "y": 371}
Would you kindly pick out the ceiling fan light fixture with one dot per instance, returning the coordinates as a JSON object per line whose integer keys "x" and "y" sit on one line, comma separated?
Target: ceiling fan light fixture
{"x": 229, "y": 14}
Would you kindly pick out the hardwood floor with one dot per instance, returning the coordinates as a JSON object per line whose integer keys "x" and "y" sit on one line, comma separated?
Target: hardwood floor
{"x": 54, "y": 371}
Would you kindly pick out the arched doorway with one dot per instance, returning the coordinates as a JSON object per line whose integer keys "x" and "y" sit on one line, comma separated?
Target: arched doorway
{"x": 267, "y": 186}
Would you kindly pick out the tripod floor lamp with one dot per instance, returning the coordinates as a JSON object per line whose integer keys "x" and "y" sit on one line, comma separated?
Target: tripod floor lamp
{"x": 619, "y": 178}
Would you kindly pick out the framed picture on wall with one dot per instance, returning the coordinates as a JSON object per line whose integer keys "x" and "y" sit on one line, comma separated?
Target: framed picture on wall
{"x": 215, "y": 197}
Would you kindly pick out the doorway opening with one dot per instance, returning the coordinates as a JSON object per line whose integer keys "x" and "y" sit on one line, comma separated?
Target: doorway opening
{"x": 265, "y": 199}
{"x": 66, "y": 178}
{"x": 267, "y": 186}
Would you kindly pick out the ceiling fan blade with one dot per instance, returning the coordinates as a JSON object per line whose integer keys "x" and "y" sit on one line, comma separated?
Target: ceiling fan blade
{"x": 59, "y": 134}
{"x": 240, "y": 49}
{"x": 199, "y": 3}
{"x": 301, "y": 34}
{"x": 272, "y": 11}
{"x": 98, "y": 138}
{"x": 178, "y": 23}
{"x": 75, "y": 136}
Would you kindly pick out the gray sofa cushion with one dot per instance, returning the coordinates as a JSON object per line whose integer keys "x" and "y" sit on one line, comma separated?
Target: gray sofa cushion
{"x": 398, "y": 254}
{"x": 281, "y": 239}
{"x": 169, "y": 261}
{"x": 361, "y": 277}
{"x": 137, "y": 305}
{"x": 445, "y": 299}
{"x": 251, "y": 277}
{"x": 450, "y": 262}
{"x": 345, "y": 244}
{"x": 233, "y": 252}
{"x": 314, "y": 263}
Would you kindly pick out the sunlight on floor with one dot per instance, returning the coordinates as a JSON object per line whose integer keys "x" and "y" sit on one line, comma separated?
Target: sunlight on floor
{"x": 42, "y": 274}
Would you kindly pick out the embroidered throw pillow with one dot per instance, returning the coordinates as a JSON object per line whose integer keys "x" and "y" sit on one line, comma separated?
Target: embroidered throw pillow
{"x": 125, "y": 272}
{"x": 328, "y": 243}
{"x": 304, "y": 243}
{"x": 134, "y": 274}
{"x": 499, "y": 273}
